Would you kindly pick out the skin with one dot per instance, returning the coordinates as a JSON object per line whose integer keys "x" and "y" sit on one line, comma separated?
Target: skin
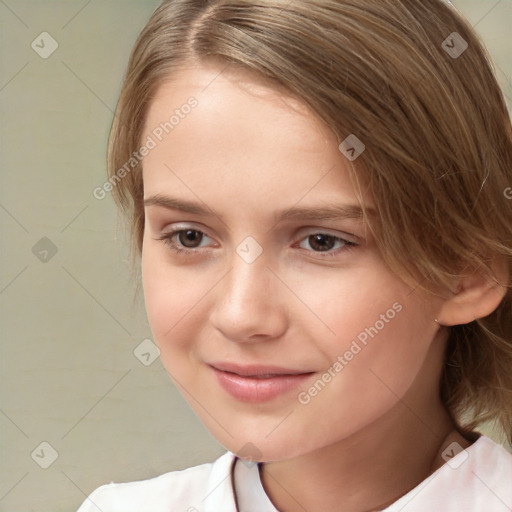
{"x": 247, "y": 152}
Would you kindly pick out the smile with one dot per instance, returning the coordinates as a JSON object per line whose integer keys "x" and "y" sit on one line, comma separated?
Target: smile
{"x": 257, "y": 383}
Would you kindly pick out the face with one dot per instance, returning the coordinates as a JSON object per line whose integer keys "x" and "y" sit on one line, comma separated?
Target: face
{"x": 274, "y": 313}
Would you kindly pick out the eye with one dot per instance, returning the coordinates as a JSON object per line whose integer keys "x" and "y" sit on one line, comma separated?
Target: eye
{"x": 325, "y": 243}
{"x": 185, "y": 240}
{"x": 189, "y": 238}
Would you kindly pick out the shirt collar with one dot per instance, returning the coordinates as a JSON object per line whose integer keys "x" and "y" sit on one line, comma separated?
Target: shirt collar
{"x": 230, "y": 473}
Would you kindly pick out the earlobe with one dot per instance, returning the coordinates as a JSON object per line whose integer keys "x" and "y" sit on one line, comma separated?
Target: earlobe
{"x": 477, "y": 295}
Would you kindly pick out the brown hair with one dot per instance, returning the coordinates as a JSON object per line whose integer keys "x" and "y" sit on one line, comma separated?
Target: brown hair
{"x": 410, "y": 79}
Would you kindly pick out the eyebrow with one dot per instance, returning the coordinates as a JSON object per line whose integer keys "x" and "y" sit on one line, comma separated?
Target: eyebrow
{"x": 321, "y": 212}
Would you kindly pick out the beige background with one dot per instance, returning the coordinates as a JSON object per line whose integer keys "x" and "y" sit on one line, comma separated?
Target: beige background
{"x": 70, "y": 323}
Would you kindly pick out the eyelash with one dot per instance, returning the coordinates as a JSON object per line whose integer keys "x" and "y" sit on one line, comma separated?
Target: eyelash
{"x": 167, "y": 238}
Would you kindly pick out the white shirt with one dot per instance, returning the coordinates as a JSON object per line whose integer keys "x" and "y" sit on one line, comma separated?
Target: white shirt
{"x": 478, "y": 479}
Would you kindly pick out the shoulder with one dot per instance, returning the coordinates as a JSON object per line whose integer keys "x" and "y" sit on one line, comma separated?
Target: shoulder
{"x": 185, "y": 490}
{"x": 492, "y": 465}
{"x": 489, "y": 448}
{"x": 475, "y": 479}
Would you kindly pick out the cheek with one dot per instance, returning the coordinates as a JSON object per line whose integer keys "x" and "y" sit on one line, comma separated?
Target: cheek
{"x": 349, "y": 303}
{"x": 379, "y": 329}
{"x": 365, "y": 380}
{"x": 387, "y": 356}
{"x": 399, "y": 354}
{"x": 171, "y": 294}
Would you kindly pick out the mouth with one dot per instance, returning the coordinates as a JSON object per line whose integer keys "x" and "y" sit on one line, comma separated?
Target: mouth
{"x": 257, "y": 383}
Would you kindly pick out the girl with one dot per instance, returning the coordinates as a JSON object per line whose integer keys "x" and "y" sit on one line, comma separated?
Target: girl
{"x": 320, "y": 194}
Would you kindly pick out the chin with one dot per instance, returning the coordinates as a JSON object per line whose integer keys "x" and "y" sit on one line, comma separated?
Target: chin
{"x": 256, "y": 445}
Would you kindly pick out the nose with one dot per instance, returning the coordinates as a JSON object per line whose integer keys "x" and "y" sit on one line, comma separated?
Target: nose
{"x": 248, "y": 303}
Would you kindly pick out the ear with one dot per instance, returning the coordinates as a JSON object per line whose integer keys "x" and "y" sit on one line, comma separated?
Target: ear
{"x": 478, "y": 295}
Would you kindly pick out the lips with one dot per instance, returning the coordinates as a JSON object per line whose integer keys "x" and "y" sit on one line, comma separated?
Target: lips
{"x": 257, "y": 383}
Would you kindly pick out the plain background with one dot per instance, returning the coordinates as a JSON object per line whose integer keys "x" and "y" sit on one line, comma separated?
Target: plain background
{"x": 70, "y": 319}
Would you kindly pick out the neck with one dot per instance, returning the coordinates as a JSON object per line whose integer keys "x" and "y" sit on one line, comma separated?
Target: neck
{"x": 362, "y": 473}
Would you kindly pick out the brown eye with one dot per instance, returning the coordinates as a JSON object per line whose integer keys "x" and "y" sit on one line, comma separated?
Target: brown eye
{"x": 190, "y": 238}
{"x": 321, "y": 242}
{"x": 325, "y": 244}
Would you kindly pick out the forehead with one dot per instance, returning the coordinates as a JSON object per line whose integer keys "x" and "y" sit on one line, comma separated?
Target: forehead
{"x": 238, "y": 95}
{"x": 241, "y": 134}
{"x": 214, "y": 74}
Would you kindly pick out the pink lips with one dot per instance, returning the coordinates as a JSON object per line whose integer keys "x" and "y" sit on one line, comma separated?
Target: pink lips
{"x": 255, "y": 383}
